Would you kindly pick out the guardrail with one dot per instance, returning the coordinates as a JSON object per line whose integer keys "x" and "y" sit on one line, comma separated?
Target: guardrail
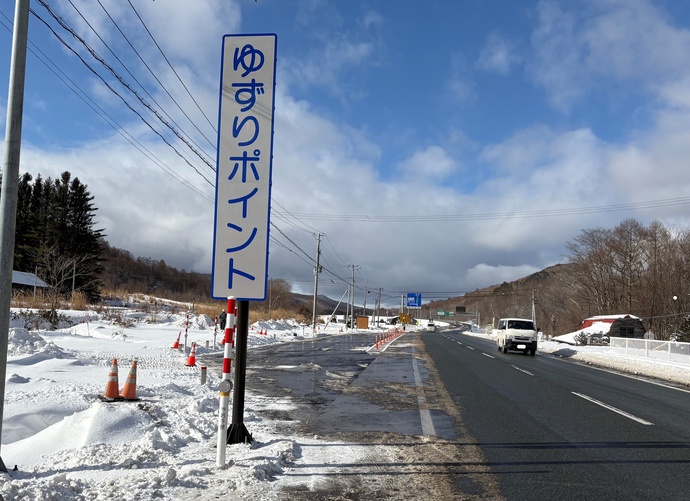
{"x": 666, "y": 351}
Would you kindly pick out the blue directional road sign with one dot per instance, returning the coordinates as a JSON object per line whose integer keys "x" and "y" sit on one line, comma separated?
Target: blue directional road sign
{"x": 414, "y": 300}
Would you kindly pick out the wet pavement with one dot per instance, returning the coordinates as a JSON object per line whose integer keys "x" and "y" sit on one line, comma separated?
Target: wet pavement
{"x": 343, "y": 384}
{"x": 388, "y": 402}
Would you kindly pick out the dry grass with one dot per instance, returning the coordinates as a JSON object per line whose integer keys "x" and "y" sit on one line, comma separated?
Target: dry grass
{"x": 255, "y": 314}
{"x": 79, "y": 301}
{"x": 257, "y": 311}
{"x": 26, "y": 299}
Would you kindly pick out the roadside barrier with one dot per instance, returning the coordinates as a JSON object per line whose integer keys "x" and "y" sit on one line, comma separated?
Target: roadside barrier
{"x": 176, "y": 344}
{"x": 191, "y": 361}
{"x": 112, "y": 389}
{"x": 129, "y": 390}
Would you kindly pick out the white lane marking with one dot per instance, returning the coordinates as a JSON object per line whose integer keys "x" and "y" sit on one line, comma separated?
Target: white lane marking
{"x": 487, "y": 355}
{"x": 469, "y": 348}
{"x": 614, "y": 409}
{"x": 424, "y": 413}
{"x": 522, "y": 370}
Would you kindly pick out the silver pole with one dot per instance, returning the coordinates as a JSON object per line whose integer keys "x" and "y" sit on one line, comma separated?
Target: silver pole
{"x": 10, "y": 176}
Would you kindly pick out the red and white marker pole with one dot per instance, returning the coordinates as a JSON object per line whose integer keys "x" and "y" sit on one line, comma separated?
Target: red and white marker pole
{"x": 226, "y": 383}
{"x": 229, "y": 338}
{"x": 186, "y": 327}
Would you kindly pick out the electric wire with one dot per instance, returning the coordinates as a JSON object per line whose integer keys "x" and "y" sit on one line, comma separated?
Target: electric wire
{"x": 174, "y": 71}
{"x": 148, "y": 68}
{"x": 117, "y": 127}
{"x": 118, "y": 95}
{"x": 124, "y": 83}
{"x": 569, "y": 211}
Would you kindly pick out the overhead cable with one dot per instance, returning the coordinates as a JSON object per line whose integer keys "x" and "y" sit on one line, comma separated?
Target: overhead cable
{"x": 118, "y": 95}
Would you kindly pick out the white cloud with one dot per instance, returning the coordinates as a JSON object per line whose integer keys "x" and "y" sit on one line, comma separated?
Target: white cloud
{"x": 432, "y": 163}
{"x": 460, "y": 84}
{"x": 557, "y": 63}
{"x": 372, "y": 18}
{"x": 497, "y": 55}
{"x": 484, "y": 273}
{"x": 609, "y": 43}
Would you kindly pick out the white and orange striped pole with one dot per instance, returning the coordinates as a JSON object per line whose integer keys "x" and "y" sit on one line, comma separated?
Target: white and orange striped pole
{"x": 226, "y": 383}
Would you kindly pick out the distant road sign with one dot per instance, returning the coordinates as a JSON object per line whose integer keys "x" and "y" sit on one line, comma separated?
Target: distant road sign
{"x": 244, "y": 167}
{"x": 414, "y": 300}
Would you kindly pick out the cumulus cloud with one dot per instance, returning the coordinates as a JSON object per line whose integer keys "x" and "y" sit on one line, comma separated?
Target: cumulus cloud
{"x": 432, "y": 163}
{"x": 611, "y": 42}
{"x": 498, "y": 274}
{"x": 497, "y": 55}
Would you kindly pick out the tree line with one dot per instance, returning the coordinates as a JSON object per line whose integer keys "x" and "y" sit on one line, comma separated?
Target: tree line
{"x": 630, "y": 269}
{"x": 56, "y": 236}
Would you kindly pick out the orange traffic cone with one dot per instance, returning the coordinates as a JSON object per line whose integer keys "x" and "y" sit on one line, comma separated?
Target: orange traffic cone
{"x": 191, "y": 361}
{"x": 112, "y": 389}
{"x": 129, "y": 390}
{"x": 176, "y": 344}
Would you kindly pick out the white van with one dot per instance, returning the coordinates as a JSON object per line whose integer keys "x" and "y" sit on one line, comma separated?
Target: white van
{"x": 430, "y": 326}
{"x": 516, "y": 334}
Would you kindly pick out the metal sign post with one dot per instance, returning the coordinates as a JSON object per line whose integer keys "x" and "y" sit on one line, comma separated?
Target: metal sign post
{"x": 237, "y": 433}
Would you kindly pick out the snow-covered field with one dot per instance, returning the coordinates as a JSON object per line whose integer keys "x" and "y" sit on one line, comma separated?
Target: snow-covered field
{"x": 67, "y": 443}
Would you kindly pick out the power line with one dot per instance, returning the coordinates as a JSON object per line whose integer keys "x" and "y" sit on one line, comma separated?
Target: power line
{"x": 130, "y": 73}
{"x": 175, "y": 72}
{"x": 118, "y": 95}
{"x": 124, "y": 83}
{"x": 364, "y": 218}
{"x": 70, "y": 84}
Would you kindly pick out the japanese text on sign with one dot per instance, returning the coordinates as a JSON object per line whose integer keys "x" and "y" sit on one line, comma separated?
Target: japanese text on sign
{"x": 244, "y": 167}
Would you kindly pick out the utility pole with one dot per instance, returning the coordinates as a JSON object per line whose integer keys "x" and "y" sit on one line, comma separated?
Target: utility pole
{"x": 317, "y": 270}
{"x": 366, "y": 286}
{"x": 534, "y": 307}
{"x": 10, "y": 186}
{"x": 402, "y": 307}
{"x": 352, "y": 295}
{"x": 378, "y": 306}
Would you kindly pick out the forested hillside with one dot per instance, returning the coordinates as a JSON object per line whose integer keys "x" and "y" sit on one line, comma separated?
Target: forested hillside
{"x": 630, "y": 269}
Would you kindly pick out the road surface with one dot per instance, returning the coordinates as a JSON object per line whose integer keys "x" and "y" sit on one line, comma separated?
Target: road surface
{"x": 445, "y": 415}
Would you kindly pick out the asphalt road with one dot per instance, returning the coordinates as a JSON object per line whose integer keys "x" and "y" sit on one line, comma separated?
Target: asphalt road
{"x": 552, "y": 429}
{"x": 446, "y": 415}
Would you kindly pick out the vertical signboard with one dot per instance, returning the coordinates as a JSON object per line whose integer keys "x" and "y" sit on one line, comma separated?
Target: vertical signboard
{"x": 244, "y": 165}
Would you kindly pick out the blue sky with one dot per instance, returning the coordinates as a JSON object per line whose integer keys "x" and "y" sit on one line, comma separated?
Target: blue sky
{"x": 410, "y": 133}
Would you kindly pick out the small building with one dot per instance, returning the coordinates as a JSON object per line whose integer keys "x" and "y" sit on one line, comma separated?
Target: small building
{"x": 623, "y": 325}
{"x": 25, "y": 281}
{"x": 597, "y": 330}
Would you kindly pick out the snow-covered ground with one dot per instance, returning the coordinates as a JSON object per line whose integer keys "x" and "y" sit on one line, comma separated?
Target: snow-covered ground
{"x": 68, "y": 444}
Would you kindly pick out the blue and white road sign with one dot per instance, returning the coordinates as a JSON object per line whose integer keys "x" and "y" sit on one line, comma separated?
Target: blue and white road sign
{"x": 414, "y": 300}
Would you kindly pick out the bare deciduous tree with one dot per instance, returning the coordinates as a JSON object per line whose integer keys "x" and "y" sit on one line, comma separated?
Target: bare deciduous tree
{"x": 59, "y": 271}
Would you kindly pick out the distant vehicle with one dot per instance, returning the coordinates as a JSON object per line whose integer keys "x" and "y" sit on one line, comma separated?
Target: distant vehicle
{"x": 431, "y": 327}
{"x": 516, "y": 334}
